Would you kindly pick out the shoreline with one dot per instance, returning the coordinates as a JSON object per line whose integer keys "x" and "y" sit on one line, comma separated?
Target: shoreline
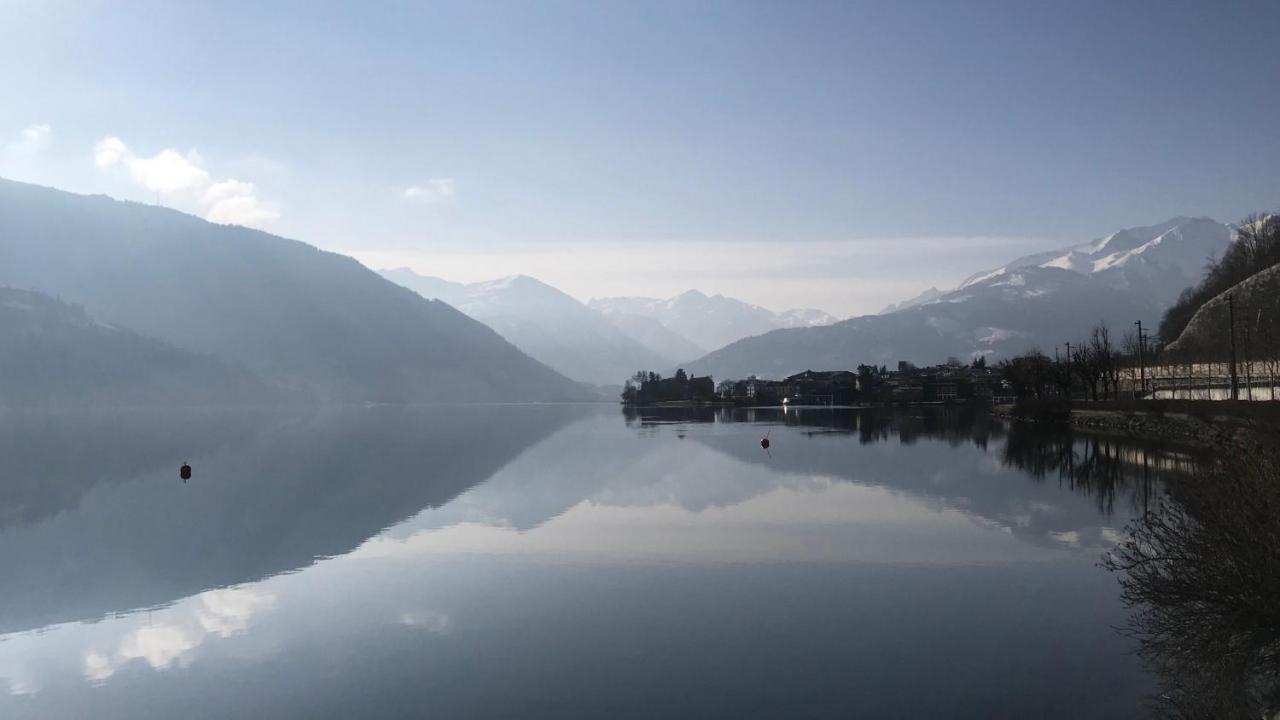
{"x": 1218, "y": 430}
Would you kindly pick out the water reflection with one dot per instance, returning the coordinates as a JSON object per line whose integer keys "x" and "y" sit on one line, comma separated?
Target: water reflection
{"x": 97, "y": 523}
{"x": 1202, "y": 572}
{"x": 954, "y": 424}
{"x": 1105, "y": 468}
{"x": 1099, "y": 468}
{"x": 563, "y": 561}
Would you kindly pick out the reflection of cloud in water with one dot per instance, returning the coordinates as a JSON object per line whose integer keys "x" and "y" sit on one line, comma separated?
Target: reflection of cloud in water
{"x": 818, "y": 520}
{"x": 159, "y": 645}
{"x": 1070, "y": 537}
{"x": 21, "y": 683}
{"x": 427, "y": 620}
{"x": 161, "y": 639}
{"x": 183, "y": 628}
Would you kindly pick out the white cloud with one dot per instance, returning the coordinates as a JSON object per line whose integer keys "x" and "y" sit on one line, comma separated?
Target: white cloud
{"x": 232, "y": 202}
{"x": 159, "y": 645}
{"x": 169, "y": 172}
{"x": 225, "y": 190}
{"x": 109, "y": 151}
{"x": 98, "y": 667}
{"x": 435, "y": 190}
{"x": 227, "y": 611}
{"x": 429, "y": 620}
{"x": 183, "y": 178}
{"x": 223, "y": 613}
{"x": 32, "y": 140}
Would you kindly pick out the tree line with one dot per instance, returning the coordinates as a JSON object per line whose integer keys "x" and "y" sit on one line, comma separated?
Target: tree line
{"x": 1094, "y": 366}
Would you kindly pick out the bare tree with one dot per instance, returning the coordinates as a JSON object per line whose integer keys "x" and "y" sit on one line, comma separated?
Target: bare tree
{"x": 1085, "y": 366}
{"x": 1202, "y": 573}
{"x": 1106, "y": 359}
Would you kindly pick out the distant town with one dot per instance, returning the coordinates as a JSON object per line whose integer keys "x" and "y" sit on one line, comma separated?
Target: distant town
{"x": 951, "y": 382}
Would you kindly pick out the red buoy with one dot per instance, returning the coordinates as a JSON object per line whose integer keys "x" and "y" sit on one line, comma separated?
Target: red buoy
{"x": 185, "y": 471}
{"x": 764, "y": 443}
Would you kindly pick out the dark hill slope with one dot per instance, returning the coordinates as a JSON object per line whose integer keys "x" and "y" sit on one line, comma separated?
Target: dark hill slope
{"x": 52, "y": 354}
{"x": 1257, "y": 310}
{"x": 310, "y": 320}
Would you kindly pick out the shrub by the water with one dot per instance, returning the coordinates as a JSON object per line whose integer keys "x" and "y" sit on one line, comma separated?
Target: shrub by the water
{"x": 1202, "y": 574}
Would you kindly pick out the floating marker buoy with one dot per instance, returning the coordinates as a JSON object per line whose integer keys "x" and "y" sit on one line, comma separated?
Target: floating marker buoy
{"x": 184, "y": 472}
{"x": 764, "y": 443}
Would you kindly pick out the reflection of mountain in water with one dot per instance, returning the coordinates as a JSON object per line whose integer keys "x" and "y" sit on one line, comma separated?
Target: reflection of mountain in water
{"x": 969, "y": 481}
{"x": 49, "y": 461}
{"x": 938, "y": 454}
{"x": 266, "y": 498}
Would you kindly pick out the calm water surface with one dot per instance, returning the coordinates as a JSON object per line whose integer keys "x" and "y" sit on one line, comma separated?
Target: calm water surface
{"x": 563, "y": 561}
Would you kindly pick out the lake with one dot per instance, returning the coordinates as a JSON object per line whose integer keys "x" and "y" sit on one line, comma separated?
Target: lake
{"x": 564, "y": 561}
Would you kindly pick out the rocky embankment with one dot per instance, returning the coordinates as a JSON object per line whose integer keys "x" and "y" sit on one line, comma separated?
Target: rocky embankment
{"x": 1201, "y": 429}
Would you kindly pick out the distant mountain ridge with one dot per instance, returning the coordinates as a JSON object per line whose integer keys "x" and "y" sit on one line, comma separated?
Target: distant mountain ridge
{"x": 929, "y": 295}
{"x": 606, "y": 340}
{"x": 314, "y": 322}
{"x": 710, "y": 321}
{"x": 545, "y": 323}
{"x": 1040, "y": 300}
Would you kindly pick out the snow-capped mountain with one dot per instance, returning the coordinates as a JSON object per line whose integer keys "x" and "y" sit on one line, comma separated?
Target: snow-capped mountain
{"x": 654, "y": 335}
{"x": 806, "y": 317}
{"x": 1040, "y": 300}
{"x": 709, "y": 321}
{"x": 929, "y": 295}
{"x": 545, "y": 323}
{"x": 1156, "y": 260}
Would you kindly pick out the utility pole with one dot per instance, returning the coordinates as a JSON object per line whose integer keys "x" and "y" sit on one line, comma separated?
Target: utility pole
{"x": 1231, "y": 319}
{"x": 1248, "y": 364}
{"x": 1142, "y": 364}
{"x": 1068, "y": 371}
{"x": 1057, "y": 369}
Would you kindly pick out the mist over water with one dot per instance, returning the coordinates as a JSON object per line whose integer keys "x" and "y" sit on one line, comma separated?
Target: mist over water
{"x": 552, "y": 561}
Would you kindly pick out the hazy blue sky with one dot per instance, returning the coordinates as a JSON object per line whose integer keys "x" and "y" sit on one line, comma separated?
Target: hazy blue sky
{"x": 842, "y": 155}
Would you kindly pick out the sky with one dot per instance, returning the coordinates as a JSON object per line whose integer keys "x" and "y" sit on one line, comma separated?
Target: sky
{"x": 840, "y": 155}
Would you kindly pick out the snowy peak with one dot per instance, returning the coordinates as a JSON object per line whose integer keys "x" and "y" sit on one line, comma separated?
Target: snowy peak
{"x": 543, "y": 322}
{"x": 806, "y": 317}
{"x": 1159, "y": 259}
{"x": 1132, "y": 238}
{"x": 710, "y": 321}
{"x": 689, "y": 296}
{"x": 516, "y": 294}
{"x": 929, "y": 295}
{"x": 1039, "y": 300}
{"x": 1183, "y": 248}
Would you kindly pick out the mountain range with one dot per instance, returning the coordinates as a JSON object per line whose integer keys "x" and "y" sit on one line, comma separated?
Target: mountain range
{"x": 545, "y": 323}
{"x": 708, "y": 321}
{"x": 609, "y": 339}
{"x": 1039, "y": 300}
{"x": 146, "y": 301}
{"x": 314, "y": 324}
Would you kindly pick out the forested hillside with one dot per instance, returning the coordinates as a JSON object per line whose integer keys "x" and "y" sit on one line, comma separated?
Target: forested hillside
{"x": 1256, "y": 248}
{"x": 53, "y": 354}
